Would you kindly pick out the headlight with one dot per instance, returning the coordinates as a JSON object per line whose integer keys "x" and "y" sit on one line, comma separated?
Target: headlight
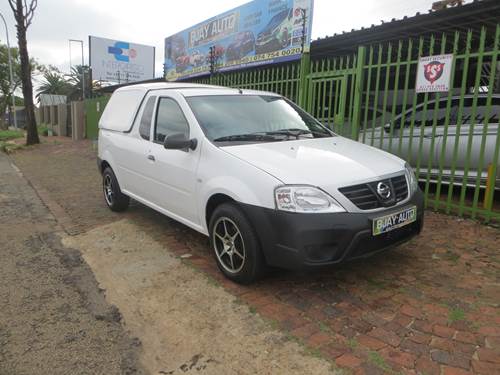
{"x": 306, "y": 199}
{"x": 411, "y": 178}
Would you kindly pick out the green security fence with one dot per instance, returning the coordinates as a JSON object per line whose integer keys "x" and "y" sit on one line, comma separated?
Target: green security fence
{"x": 452, "y": 139}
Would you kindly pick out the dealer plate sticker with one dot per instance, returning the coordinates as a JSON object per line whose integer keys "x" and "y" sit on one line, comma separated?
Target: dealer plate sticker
{"x": 390, "y": 222}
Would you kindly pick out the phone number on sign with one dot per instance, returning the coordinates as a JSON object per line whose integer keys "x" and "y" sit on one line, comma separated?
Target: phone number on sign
{"x": 270, "y": 55}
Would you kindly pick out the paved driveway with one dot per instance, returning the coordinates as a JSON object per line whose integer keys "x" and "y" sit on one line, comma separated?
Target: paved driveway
{"x": 431, "y": 306}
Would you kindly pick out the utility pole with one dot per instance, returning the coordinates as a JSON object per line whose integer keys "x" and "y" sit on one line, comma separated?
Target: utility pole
{"x": 304, "y": 29}
{"x": 11, "y": 76}
{"x": 212, "y": 59}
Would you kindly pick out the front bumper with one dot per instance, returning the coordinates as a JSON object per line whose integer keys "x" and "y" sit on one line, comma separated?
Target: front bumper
{"x": 294, "y": 240}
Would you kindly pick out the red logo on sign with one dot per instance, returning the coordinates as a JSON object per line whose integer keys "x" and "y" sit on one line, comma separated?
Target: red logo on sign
{"x": 433, "y": 71}
{"x": 132, "y": 53}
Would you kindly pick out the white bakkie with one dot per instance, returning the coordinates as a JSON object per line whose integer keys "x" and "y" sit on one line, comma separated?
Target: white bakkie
{"x": 262, "y": 178}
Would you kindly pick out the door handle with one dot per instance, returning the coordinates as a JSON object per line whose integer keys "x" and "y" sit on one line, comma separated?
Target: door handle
{"x": 151, "y": 157}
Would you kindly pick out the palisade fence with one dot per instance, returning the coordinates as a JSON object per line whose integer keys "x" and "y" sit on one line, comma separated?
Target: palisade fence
{"x": 452, "y": 139}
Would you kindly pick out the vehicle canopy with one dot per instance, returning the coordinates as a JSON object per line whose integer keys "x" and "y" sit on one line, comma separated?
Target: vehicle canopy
{"x": 121, "y": 109}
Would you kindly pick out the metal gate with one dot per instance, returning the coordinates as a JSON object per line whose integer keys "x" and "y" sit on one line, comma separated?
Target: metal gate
{"x": 331, "y": 93}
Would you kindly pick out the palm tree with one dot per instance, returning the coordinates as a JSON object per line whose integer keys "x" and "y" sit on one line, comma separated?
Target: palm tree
{"x": 55, "y": 84}
{"x": 78, "y": 73}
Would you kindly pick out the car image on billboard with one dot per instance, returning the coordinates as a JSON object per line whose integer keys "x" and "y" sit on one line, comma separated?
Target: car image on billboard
{"x": 277, "y": 34}
{"x": 243, "y": 44}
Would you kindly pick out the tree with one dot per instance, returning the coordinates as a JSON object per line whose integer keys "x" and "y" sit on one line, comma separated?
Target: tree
{"x": 23, "y": 13}
{"x": 54, "y": 83}
{"x": 75, "y": 77}
{"x": 5, "y": 89}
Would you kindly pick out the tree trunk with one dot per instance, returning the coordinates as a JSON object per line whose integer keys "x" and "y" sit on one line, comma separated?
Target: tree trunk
{"x": 32, "y": 131}
{"x": 3, "y": 123}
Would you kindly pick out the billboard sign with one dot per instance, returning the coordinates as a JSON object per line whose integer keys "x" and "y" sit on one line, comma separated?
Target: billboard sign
{"x": 434, "y": 73}
{"x": 259, "y": 32}
{"x": 119, "y": 61}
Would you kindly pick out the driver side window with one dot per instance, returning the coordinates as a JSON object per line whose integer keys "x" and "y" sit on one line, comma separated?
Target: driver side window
{"x": 169, "y": 120}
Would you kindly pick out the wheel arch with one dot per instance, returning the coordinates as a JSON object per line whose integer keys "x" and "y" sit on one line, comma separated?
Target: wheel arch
{"x": 103, "y": 164}
{"x": 213, "y": 202}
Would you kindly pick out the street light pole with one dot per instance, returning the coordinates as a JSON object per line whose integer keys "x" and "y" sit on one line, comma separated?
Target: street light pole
{"x": 11, "y": 76}
{"x": 83, "y": 69}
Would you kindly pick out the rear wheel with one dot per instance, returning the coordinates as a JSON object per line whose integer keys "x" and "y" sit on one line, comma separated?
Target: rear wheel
{"x": 235, "y": 245}
{"x": 114, "y": 198}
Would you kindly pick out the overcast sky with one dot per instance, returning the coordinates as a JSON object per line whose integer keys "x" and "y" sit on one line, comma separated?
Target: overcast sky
{"x": 150, "y": 21}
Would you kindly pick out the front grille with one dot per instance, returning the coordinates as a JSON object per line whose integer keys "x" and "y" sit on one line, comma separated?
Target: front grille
{"x": 400, "y": 188}
{"x": 365, "y": 196}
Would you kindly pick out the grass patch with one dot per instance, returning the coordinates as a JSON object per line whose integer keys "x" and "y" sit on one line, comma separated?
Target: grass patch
{"x": 376, "y": 284}
{"x": 352, "y": 343}
{"x": 314, "y": 353}
{"x": 7, "y": 135}
{"x": 456, "y": 315}
{"x": 378, "y": 361}
{"x": 451, "y": 256}
{"x": 9, "y": 147}
{"x": 323, "y": 327}
{"x": 43, "y": 130}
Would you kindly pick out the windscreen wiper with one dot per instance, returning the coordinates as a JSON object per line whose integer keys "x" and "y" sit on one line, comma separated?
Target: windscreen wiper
{"x": 259, "y": 137}
{"x": 295, "y": 132}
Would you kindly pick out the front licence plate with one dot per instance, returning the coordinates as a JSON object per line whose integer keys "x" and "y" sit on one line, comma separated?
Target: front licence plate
{"x": 393, "y": 221}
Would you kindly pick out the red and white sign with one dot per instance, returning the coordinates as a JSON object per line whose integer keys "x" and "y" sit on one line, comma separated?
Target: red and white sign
{"x": 434, "y": 73}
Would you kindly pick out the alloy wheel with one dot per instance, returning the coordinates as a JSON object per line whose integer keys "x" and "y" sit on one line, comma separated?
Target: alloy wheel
{"x": 229, "y": 245}
{"x": 108, "y": 189}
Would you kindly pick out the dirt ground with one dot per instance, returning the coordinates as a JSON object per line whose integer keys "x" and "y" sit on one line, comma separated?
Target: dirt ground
{"x": 185, "y": 323}
{"x": 53, "y": 317}
{"x": 430, "y": 306}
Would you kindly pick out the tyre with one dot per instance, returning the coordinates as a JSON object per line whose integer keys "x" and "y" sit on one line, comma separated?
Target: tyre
{"x": 235, "y": 245}
{"x": 114, "y": 198}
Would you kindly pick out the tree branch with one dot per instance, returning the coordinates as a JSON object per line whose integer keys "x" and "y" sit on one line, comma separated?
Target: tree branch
{"x": 12, "y": 4}
{"x": 29, "y": 11}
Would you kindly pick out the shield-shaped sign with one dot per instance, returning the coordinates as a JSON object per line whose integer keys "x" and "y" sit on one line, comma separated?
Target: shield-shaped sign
{"x": 433, "y": 71}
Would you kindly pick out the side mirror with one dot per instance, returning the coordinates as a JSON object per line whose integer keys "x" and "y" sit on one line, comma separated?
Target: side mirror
{"x": 179, "y": 141}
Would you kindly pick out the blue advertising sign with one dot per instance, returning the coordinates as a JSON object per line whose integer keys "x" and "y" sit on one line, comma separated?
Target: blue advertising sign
{"x": 259, "y": 32}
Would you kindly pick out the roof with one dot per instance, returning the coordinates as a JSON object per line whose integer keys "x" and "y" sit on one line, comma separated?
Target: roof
{"x": 50, "y": 99}
{"x": 471, "y": 16}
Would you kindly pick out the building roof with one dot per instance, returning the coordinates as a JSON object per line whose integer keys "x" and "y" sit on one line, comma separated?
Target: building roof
{"x": 50, "y": 99}
{"x": 471, "y": 16}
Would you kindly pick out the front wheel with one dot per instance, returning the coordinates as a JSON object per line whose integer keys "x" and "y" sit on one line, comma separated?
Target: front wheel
{"x": 235, "y": 245}
{"x": 114, "y": 198}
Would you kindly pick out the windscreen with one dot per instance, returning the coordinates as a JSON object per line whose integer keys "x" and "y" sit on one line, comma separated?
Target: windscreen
{"x": 238, "y": 115}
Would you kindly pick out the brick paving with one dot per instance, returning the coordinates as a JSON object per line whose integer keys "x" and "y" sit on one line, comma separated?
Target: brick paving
{"x": 431, "y": 306}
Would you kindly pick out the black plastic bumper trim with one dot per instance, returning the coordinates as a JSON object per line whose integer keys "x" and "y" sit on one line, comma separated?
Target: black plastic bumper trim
{"x": 297, "y": 240}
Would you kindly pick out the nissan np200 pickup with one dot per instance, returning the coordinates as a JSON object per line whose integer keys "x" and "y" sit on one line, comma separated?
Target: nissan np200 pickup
{"x": 268, "y": 183}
